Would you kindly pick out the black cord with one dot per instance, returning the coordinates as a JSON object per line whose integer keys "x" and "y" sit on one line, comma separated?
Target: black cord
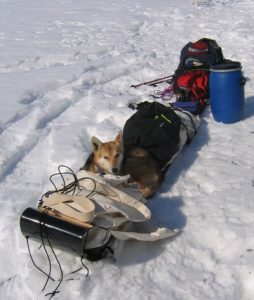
{"x": 191, "y": 119}
{"x": 82, "y": 188}
{"x": 30, "y": 254}
{"x": 44, "y": 246}
{"x": 87, "y": 270}
{"x": 67, "y": 188}
{"x": 51, "y": 248}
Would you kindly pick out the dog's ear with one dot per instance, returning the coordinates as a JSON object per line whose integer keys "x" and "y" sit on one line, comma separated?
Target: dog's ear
{"x": 96, "y": 143}
{"x": 119, "y": 138}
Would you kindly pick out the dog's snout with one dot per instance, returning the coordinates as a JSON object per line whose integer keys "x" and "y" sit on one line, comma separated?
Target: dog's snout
{"x": 115, "y": 170}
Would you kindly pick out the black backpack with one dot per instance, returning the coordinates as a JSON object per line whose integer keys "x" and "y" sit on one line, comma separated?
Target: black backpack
{"x": 200, "y": 55}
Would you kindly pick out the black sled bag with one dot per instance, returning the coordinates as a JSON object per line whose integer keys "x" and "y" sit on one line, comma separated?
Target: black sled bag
{"x": 154, "y": 128}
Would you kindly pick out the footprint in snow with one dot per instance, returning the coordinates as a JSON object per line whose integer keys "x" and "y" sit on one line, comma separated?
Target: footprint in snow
{"x": 30, "y": 97}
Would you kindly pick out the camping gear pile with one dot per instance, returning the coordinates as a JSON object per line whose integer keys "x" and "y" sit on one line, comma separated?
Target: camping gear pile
{"x": 203, "y": 76}
{"x": 189, "y": 84}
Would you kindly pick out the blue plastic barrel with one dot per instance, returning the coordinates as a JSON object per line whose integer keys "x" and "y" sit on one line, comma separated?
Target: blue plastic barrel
{"x": 226, "y": 85}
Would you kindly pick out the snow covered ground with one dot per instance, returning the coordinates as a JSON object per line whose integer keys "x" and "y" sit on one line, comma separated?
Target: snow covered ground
{"x": 65, "y": 71}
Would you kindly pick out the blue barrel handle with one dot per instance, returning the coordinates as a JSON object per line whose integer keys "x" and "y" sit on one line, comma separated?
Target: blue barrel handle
{"x": 242, "y": 80}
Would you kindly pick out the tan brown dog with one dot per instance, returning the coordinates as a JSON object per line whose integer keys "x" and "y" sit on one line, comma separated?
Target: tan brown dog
{"x": 109, "y": 158}
{"x": 105, "y": 157}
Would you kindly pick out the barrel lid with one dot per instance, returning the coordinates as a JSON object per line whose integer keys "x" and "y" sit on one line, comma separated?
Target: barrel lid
{"x": 226, "y": 65}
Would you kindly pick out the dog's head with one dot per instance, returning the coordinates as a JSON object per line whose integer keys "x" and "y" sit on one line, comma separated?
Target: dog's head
{"x": 108, "y": 156}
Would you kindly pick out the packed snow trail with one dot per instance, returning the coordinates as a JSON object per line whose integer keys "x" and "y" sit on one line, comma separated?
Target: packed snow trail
{"x": 65, "y": 73}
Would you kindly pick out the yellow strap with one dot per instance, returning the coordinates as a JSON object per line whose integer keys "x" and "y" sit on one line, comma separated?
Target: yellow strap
{"x": 163, "y": 117}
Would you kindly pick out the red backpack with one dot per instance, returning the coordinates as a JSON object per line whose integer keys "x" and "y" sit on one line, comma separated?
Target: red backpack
{"x": 192, "y": 85}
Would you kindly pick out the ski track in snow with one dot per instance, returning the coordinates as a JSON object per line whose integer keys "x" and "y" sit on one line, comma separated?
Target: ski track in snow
{"x": 80, "y": 88}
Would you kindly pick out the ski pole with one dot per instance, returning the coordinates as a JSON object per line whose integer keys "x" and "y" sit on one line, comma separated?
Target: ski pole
{"x": 153, "y": 82}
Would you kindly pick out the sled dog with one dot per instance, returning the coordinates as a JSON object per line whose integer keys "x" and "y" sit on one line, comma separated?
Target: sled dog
{"x": 106, "y": 158}
{"x": 110, "y": 158}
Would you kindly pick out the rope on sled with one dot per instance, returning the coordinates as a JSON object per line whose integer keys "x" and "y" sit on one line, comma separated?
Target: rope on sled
{"x": 70, "y": 188}
{"x": 67, "y": 188}
{"x": 185, "y": 127}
